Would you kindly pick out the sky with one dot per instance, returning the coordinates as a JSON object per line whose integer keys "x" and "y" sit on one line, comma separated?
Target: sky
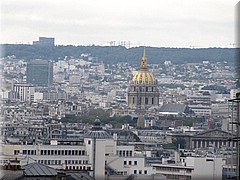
{"x": 157, "y": 23}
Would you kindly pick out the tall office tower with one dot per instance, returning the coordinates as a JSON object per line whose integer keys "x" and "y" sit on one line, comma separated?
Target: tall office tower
{"x": 40, "y": 72}
{"x": 143, "y": 92}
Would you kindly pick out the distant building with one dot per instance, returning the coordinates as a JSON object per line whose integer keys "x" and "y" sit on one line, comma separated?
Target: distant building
{"x": 96, "y": 153}
{"x": 212, "y": 138}
{"x": 23, "y": 92}
{"x": 175, "y": 109}
{"x": 44, "y": 41}
{"x": 192, "y": 168}
{"x": 40, "y": 72}
{"x": 143, "y": 92}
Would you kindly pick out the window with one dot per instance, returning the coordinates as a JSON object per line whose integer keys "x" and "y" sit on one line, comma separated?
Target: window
{"x": 133, "y": 100}
{"x": 89, "y": 142}
{"x": 16, "y": 152}
{"x": 146, "y": 89}
{"x": 135, "y": 162}
{"x": 152, "y": 100}
{"x": 145, "y": 171}
{"x": 130, "y": 153}
{"x": 140, "y": 171}
{"x": 135, "y": 171}
{"x": 130, "y": 162}
{"x": 125, "y": 162}
{"x": 146, "y": 100}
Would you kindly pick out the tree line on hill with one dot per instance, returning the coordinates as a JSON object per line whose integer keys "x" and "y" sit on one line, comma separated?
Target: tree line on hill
{"x": 116, "y": 54}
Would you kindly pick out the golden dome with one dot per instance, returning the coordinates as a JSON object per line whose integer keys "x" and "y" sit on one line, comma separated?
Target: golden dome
{"x": 143, "y": 76}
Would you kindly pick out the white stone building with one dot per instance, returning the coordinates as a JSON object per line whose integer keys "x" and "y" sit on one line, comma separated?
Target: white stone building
{"x": 98, "y": 154}
{"x": 193, "y": 168}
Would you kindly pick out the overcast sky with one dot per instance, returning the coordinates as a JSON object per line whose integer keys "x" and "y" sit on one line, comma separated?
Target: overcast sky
{"x": 159, "y": 23}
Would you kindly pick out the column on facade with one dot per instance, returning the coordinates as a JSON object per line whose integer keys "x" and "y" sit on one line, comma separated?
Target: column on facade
{"x": 213, "y": 143}
{"x": 216, "y": 143}
{"x": 206, "y": 144}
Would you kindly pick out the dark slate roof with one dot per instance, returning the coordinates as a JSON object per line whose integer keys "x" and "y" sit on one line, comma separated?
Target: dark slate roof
{"x": 79, "y": 175}
{"x": 174, "y": 108}
{"x": 97, "y": 132}
{"x": 37, "y": 169}
{"x": 97, "y": 135}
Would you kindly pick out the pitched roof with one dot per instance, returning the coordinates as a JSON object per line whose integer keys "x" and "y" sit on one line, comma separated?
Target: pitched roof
{"x": 79, "y": 175}
{"x": 213, "y": 133}
{"x": 173, "y": 108}
{"x": 37, "y": 169}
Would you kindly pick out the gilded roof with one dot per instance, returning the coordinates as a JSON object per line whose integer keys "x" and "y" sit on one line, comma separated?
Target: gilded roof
{"x": 143, "y": 76}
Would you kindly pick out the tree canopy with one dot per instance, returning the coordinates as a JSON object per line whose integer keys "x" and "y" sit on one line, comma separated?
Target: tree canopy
{"x": 116, "y": 54}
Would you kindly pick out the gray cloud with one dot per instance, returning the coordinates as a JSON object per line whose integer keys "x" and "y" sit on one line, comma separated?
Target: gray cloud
{"x": 157, "y": 23}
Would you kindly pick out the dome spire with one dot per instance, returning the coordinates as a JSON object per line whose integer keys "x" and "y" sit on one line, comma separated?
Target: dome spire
{"x": 144, "y": 60}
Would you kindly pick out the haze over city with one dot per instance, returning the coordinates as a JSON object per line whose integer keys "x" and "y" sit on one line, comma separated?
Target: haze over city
{"x": 152, "y": 23}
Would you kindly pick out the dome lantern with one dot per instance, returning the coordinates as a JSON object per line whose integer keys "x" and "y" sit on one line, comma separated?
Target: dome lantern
{"x": 143, "y": 76}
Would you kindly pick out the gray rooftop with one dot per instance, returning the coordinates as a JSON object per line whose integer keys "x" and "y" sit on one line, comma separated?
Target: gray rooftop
{"x": 174, "y": 108}
{"x": 79, "y": 175}
{"x": 37, "y": 169}
{"x": 98, "y": 135}
{"x": 97, "y": 132}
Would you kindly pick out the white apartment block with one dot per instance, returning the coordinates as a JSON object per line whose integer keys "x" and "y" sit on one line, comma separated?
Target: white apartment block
{"x": 193, "y": 168}
{"x": 23, "y": 92}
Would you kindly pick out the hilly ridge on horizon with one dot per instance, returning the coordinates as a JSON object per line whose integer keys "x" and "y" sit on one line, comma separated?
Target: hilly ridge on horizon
{"x": 116, "y": 54}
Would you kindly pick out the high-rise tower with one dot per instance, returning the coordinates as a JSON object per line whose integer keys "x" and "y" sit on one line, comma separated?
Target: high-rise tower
{"x": 40, "y": 73}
